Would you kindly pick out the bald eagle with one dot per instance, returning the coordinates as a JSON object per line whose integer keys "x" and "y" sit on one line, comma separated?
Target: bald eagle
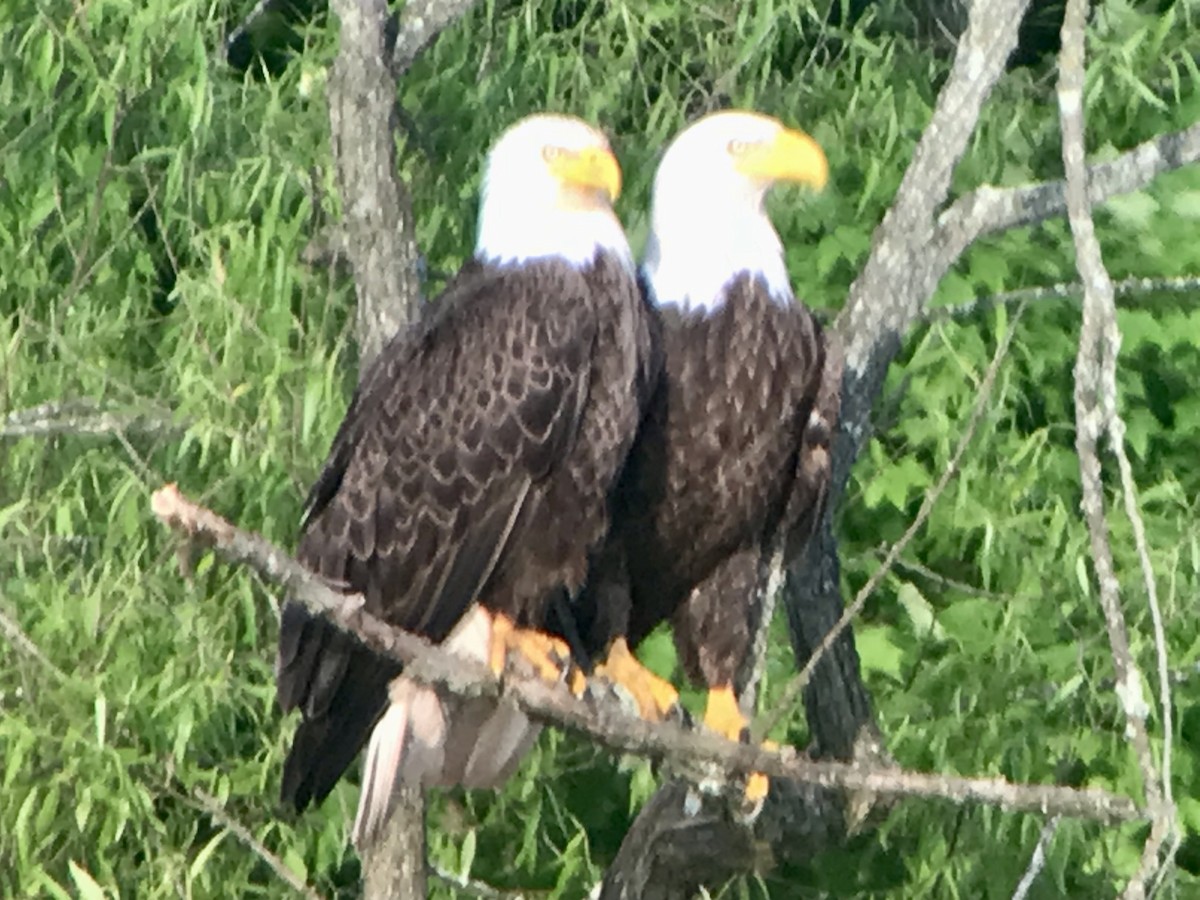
{"x": 733, "y": 454}
{"x": 468, "y": 482}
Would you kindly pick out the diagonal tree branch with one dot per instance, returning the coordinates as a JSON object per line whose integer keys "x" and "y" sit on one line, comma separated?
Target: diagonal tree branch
{"x": 768, "y": 720}
{"x": 420, "y": 24}
{"x": 215, "y": 810}
{"x": 909, "y": 257}
{"x": 1037, "y": 861}
{"x": 989, "y": 210}
{"x": 700, "y": 757}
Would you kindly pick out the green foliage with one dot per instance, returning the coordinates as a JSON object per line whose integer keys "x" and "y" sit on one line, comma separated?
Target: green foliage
{"x": 154, "y": 204}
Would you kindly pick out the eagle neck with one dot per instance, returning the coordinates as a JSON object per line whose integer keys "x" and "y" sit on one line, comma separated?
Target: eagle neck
{"x": 690, "y": 260}
{"x": 514, "y": 231}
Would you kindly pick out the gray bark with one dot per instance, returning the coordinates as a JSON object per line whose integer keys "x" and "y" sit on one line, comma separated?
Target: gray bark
{"x": 379, "y": 239}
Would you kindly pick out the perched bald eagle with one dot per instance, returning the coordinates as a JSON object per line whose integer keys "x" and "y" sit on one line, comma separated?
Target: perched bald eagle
{"x": 733, "y": 454}
{"x": 468, "y": 482}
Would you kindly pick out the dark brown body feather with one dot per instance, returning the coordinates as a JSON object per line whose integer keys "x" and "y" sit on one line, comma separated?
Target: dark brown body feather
{"x": 474, "y": 464}
{"x": 730, "y": 457}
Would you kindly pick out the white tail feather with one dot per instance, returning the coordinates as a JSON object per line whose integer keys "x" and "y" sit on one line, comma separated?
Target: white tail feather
{"x": 426, "y": 739}
{"x": 407, "y": 744}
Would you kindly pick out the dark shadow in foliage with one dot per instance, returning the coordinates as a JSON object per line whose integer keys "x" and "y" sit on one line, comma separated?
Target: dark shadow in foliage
{"x": 590, "y": 788}
{"x": 164, "y": 269}
{"x": 264, "y": 44}
{"x": 941, "y": 22}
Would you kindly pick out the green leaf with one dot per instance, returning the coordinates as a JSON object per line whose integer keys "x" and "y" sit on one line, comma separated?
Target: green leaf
{"x": 1133, "y": 210}
{"x": 919, "y": 610}
{"x": 205, "y": 854}
{"x": 972, "y": 622}
{"x": 879, "y": 652}
{"x": 100, "y": 712}
{"x": 466, "y": 856}
{"x": 1186, "y": 204}
{"x": 86, "y": 885}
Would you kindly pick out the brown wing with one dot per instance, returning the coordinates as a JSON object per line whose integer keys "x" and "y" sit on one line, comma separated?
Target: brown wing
{"x": 421, "y": 497}
{"x": 814, "y": 458}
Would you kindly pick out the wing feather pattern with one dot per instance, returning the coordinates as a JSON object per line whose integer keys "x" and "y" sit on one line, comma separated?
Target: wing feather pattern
{"x": 424, "y": 494}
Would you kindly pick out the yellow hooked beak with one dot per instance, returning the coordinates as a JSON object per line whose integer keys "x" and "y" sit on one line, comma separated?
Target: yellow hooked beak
{"x": 790, "y": 156}
{"x": 589, "y": 169}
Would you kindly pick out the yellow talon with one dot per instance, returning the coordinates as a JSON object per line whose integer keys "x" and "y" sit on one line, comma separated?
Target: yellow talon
{"x": 576, "y": 681}
{"x": 723, "y": 715}
{"x": 546, "y": 654}
{"x": 655, "y": 697}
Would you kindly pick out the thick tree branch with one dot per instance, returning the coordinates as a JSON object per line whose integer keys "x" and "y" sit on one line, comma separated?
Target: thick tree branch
{"x": 912, "y": 249}
{"x": 884, "y": 301}
{"x": 420, "y": 23}
{"x": 376, "y": 209}
{"x": 701, "y": 757}
{"x": 379, "y": 240}
{"x": 1096, "y": 414}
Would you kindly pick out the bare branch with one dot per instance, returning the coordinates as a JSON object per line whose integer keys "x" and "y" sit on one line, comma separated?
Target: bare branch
{"x": 943, "y": 582}
{"x": 1095, "y": 414}
{"x": 988, "y": 210}
{"x": 1064, "y": 290}
{"x": 80, "y": 417}
{"x": 396, "y": 862}
{"x": 379, "y": 240}
{"x": 907, "y": 231}
{"x": 470, "y": 888}
{"x": 912, "y": 249}
{"x": 702, "y": 757}
{"x": 243, "y": 26}
{"x": 884, "y": 301}
{"x": 212, "y": 807}
{"x": 420, "y": 23}
{"x": 1037, "y": 861}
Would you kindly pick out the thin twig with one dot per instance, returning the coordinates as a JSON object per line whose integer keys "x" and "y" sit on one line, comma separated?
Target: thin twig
{"x": 470, "y": 888}
{"x": 701, "y": 757}
{"x": 1037, "y": 861}
{"x": 1061, "y": 291}
{"x": 768, "y": 721}
{"x": 938, "y": 579}
{"x": 243, "y": 26}
{"x": 19, "y": 639}
{"x": 1095, "y": 414}
{"x": 212, "y": 807}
